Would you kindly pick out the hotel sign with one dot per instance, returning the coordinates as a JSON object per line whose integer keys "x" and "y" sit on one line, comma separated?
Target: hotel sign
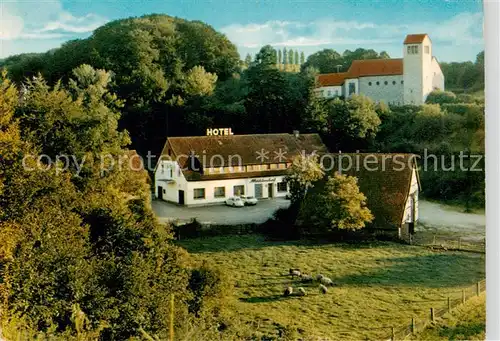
{"x": 219, "y": 132}
{"x": 264, "y": 180}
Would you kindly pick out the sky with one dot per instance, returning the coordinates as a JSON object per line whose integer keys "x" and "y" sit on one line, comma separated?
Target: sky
{"x": 454, "y": 26}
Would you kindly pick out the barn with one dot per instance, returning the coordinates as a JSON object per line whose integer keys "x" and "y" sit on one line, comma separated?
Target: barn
{"x": 390, "y": 183}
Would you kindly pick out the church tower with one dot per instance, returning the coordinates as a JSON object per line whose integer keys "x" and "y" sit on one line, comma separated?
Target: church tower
{"x": 417, "y": 68}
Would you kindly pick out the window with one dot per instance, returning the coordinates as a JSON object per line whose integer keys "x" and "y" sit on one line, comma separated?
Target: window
{"x": 385, "y": 83}
{"x": 393, "y": 82}
{"x": 336, "y": 92}
{"x": 199, "y": 193}
{"x": 402, "y": 82}
{"x": 329, "y": 93}
{"x": 282, "y": 187}
{"x": 352, "y": 88}
{"x": 170, "y": 172}
{"x": 426, "y": 49}
{"x": 282, "y": 166}
{"x": 370, "y": 83}
{"x": 219, "y": 192}
{"x": 239, "y": 190}
{"x": 412, "y": 49}
{"x": 378, "y": 83}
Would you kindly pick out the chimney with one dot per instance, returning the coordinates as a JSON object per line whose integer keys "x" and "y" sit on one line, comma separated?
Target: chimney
{"x": 296, "y": 133}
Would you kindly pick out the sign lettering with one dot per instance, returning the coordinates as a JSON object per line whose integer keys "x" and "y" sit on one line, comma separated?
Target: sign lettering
{"x": 264, "y": 180}
{"x": 219, "y": 132}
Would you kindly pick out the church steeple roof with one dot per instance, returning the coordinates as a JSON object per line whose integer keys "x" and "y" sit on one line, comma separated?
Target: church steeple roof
{"x": 415, "y": 38}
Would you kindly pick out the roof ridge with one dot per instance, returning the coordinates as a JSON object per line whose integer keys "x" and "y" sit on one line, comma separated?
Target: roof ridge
{"x": 235, "y": 135}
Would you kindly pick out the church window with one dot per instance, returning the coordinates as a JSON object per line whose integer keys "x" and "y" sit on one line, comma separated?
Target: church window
{"x": 415, "y": 49}
{"x": 409, "y": 50}
{"x": 385, "y": 83}
{"x": 378, "y": 83}
{"x": 370, "y": 83}
{"x": 393, "y": 82}
{"x": 402, "y": 82}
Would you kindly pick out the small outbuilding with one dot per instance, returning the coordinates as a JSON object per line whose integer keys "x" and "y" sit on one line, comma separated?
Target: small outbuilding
{"x": 390, "y": 183}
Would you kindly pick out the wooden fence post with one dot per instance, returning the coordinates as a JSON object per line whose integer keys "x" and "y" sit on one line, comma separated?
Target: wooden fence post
{"x": 478, "y": 287}
{"x": 432, "y": 314}
{"x": 413, "y": 325}
{"x": 449, "y": 304}
{"x": 171, "y": 322}
{"x": 393, "y": 334}
{"x": 463, "y": 295}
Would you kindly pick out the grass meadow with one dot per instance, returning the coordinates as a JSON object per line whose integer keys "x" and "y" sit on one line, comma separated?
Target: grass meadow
{"x": 378, "y": 285}
{"x": 466, "y": 322}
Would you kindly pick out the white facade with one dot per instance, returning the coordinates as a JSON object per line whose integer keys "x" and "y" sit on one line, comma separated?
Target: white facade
{"x": 171, "y": 185}
{"x": 419, "y": 75}
{"x": 330, "y": 91}
{"x": 387, "y": 89}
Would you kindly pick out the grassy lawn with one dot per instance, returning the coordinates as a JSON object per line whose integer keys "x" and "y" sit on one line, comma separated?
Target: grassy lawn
{"x": 379, "y": 285}
{"x": 466, "y": 322}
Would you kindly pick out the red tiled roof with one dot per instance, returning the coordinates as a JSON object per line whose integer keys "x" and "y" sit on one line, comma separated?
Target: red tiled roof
{"x": 332, "y": 79}
{"x": 415, "y": 38}
{"x": 363, "y": 68}
{"x": 245, "y": 146}
{"x": 375, "y": 67}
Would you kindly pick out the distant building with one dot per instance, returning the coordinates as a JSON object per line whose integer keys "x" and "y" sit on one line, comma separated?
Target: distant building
{"x": 406, "y": 80}
{"x": 203, "y": 170}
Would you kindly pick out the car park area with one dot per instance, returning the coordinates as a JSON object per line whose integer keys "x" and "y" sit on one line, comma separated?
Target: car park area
{"x": 219, "y": 214}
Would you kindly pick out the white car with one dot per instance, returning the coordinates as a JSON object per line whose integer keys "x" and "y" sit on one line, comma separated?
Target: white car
{"x": 248, "y": 200}
{"x": 235, "y": 202}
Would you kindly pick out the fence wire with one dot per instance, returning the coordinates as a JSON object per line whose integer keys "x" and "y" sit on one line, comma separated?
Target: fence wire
{"x": 418, "y": 324}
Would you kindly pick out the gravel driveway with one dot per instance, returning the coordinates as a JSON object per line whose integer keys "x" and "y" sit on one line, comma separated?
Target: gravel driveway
{"x": 442, "y": 218}
{"x": 219, "y": 214}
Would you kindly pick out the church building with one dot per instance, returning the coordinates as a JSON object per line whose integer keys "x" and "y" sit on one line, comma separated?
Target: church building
{"x": 396, "y": 81}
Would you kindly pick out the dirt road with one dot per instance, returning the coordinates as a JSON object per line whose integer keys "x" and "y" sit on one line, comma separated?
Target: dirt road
{"x": 445, "y": 219}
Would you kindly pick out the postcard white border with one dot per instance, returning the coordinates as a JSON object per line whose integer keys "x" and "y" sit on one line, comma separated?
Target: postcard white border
{"x": 492, "y": 127}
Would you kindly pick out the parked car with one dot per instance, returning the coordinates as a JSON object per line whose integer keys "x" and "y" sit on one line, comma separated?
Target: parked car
{"x": 248, "y": 200}
{"x": 235, "y": 202}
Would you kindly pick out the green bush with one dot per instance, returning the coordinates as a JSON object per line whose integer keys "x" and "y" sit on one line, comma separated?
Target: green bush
{"x": 441, "y": 97}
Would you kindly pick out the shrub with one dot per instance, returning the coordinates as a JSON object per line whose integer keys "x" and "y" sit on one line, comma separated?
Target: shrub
{"x": 440, "y": 97}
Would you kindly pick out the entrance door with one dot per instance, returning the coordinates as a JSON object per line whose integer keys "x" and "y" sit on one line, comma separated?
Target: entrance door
{"x": 270, "y": 190}
{"x": 258, "y": 191}
{"x": 160, "y": 192}
{"x": 181, "y": 197}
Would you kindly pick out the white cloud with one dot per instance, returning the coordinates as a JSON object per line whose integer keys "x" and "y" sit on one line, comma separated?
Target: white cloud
{"x": 11, "y": 26}
{"x": 463, "y": 29}
{"x": 44, "y": 20}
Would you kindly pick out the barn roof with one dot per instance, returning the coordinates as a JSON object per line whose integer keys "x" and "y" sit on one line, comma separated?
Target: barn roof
{"x": 384, "y": 179}
{"x": 246, "y": 147}
{"x": 415, "y": 38}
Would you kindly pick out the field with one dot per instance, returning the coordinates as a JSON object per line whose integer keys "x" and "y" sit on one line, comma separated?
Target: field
{"x": 378, "y": 285}
{"x": 464, "y": 323}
